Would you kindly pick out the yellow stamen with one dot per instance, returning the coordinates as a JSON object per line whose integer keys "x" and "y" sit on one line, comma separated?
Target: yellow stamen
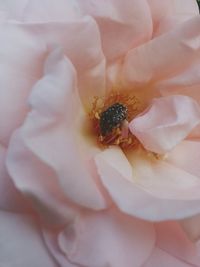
{"x": 97, "y": 116}
{"x": 117, "y": 136}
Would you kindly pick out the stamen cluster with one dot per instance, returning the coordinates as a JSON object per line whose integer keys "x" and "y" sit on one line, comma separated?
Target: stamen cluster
{"x": 110, "y": 117}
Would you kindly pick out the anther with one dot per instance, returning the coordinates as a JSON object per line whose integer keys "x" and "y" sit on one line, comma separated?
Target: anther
{"x": 112, "y": 118}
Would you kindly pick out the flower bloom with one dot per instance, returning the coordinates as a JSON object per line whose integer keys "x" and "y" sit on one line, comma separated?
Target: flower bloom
{"x": 99, "y": 133}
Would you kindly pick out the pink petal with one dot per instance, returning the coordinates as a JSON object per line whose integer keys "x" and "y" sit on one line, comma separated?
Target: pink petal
{"x": 23, "y": 48}
{"x": 158, "y": 190}
{"x": 87, "y": 56}
{"x": 20, "y": 67}
{"x": 118, "y": 160}
{"x": 172, "y": 239}
{"x": 10, "y": 198}
{"x": 120, "y": 24}
{"x": 186, "y": 83}
{"x": 167, "y": 14}
{"x": 186, "y": 156}
{"x": 21, "y": 242}
{"x": 195, "y": 134}
{"x": 164, "y": 56}
{"x": 192, "y": 227}
{"x": 159, "y": 257}
{"x": 109, "y": 238}
{"x": 166, "y": 123}
{"x": 51, "y": 241}
{"x": 44, "y": 153}
{"x": 35, "y": 10}
{"x": 38, "y": 183}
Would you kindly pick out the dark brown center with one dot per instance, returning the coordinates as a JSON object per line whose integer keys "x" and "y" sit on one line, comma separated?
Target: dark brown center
{"x": 112, "y": 118}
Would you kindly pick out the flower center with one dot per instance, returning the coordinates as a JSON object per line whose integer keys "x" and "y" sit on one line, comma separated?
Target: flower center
{"x": 110, "y": 117}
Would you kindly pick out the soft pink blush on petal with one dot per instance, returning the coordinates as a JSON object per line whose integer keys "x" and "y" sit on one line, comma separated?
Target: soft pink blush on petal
{"x": 168, "y": 14}
{"x": 166, "y": 123}
{"x": 160, "y": 256}
{"x": 118, "y": 160}
{"x": 186, "y": 83}
{"x": 160, "y": 9}
{"x": 186, "y": 156}
{"x": 147, "y": 196}
{"x": 22, "y": 57}
{"x": 10, "y": 198}
{"x": 163, "y": 180}
{"x": 120, "y": 24}
{"x": 107, "y": 238}
{"x": 31, "y": 43}
{"x": 21, "y": 242}
{"x": 51, "y": 241}
{"x": 87, "y": 58}
{"x": 38, "y": 184}
{"x": 48, "y": 144}
{"x": 192, "y": 227}
{"x": 165, "y": 56}
{"x": 65, "y": 134}
{"x": 172, "y": 239}
{"x": 37, "y": 11}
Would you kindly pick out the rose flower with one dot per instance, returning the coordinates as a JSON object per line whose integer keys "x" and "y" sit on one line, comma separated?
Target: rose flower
{"x": 100, "y": 130}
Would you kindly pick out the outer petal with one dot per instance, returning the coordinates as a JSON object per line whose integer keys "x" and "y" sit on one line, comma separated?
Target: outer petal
{"x": 186, "y": 156}
{"x": 47, "y": 148}
{"x": 32, "y": 11}
{"x": 158, "y": 190}
{"x": 21, "y": 243}
{"x": 165, "y": 56}
{"x": 167, "y": 14}
{"x": 192, "y": 227}
{"x": 172, "y": 239}
{"x": 10, "y": 198}
{"x": 120, "y": 24}
{"x": 51, "y": 241}
{"x": 109, "y": 238}
{"x": 86, "y": 56}
{"x": 20, "y": 67}
{"x": 159, "y": 256}
{"x": 186, "y": 83}
{"x": 37, "y": 182}
{"x": 166, "y": 123}
{"x": 24, "y": 63}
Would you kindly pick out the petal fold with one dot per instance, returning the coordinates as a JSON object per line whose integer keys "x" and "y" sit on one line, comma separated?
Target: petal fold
{"x": 158, "y": 190}
{"x": 165, "y": 56}
{"x": 186, "y": 83}
{"x": 166, "y": 123}
{"x": 191, "y": 226}
{"x": 108, "y": 238}
{"x": 120, "y": 24}
{"x": 167, "y": 14}
{"x": 47, "y": 148}
{"x": 186, "y": 156}
{"x": 172, "y": 239}
{"x": 10, "y": 199}
{"x": 32, "y": 42}
{"x": 167, "y": 260}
